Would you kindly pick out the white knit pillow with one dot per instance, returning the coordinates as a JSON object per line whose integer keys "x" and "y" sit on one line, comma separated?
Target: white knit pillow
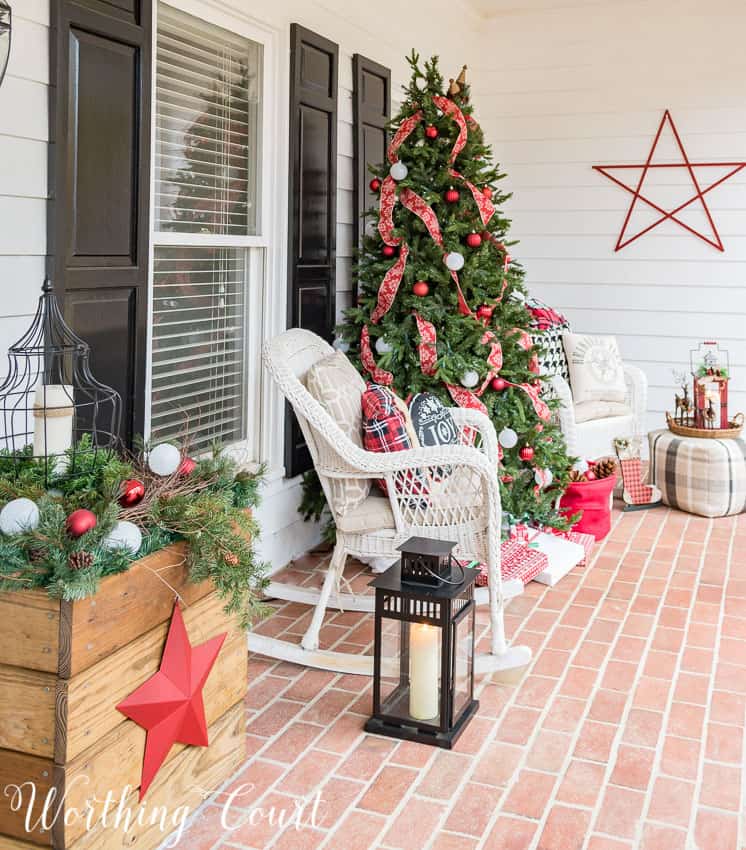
{"x": 595, "y": 365}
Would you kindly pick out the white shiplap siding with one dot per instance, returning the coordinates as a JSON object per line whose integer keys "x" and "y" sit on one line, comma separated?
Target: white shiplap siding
{"x": 23, "y": 168}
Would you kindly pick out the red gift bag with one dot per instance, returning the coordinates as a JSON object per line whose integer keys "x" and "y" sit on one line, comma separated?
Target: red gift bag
{"x": 593, "y": 498}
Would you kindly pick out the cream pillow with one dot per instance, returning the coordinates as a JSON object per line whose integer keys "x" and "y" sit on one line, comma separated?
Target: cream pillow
{"x": 586, "y": 411}
{"x": 336, "y": 385}
{"x": 595, "y": 365}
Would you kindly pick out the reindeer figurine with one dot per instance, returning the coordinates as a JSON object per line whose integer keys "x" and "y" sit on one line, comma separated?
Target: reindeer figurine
{"x": 710, "y": 415}
{"x": 683, "y": 402}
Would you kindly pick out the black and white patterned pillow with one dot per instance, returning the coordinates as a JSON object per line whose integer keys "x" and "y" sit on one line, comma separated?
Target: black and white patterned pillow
{"x": 547, "y": 327}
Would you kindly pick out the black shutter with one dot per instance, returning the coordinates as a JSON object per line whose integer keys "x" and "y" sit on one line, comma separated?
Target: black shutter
{"x": 371, "y": 113}
{"x": 313, "y": 201}
{"x": 99, "y": 182}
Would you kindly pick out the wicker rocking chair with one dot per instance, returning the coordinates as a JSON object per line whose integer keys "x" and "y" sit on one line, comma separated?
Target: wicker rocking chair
{"x": 447, "y": 492}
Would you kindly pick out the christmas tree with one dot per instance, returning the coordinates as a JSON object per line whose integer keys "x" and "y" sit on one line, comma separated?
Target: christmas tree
{"x": 441, "y": 302}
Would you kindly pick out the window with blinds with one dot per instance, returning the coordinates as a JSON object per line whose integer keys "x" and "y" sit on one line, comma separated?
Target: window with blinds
{"x": 199, "y": 369}
{"x": 208, "y": 111}
{"x": 207, "y": 114}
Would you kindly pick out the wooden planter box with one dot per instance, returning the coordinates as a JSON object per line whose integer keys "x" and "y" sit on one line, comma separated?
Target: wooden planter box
{"x": 63, "y": 669}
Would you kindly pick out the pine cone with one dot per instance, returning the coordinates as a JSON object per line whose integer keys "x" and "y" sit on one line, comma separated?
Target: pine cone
{"x": 36, "y": 554}
{"x": 80, "y": 560}
{"x": 605, "y": 468}
{"x": 231, "y": 558}
{"x": 576, "y": 476}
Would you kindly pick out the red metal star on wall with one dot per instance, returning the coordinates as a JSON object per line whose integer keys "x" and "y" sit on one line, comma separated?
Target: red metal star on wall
{"x": 700, "y": 191}
{"x": 169, "y": 704}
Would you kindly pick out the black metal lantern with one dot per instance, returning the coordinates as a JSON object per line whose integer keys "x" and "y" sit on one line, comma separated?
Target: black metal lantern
{"x": 423, "y": 674}
{"x": 50, "y": 399}
{"x": 5, "y": 33}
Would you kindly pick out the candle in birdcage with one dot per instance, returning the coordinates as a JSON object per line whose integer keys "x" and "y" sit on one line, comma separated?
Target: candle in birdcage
{"x": 424, "y": 664}
{"x": 53, "y": 419}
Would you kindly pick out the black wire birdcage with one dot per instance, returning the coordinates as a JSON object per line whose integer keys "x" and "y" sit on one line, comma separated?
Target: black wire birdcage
{"x": 5, "y": 33}
{"x": 53, "y": 408}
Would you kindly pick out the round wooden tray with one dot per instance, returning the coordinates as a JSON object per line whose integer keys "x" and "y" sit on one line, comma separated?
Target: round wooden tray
{"x": 736, "y": 426}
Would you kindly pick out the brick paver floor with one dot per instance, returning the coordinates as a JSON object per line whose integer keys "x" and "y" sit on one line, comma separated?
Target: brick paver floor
{"x": 626, "y": 731}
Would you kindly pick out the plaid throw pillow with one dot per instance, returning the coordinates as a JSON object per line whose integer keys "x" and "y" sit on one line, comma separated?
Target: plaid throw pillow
{"x": 384, "y": 424}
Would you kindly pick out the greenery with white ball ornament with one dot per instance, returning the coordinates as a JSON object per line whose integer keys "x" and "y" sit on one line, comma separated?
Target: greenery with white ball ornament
{"x": 40, "y": 547}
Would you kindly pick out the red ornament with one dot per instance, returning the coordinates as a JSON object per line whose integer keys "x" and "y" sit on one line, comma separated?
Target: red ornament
{"x": 79, "y": 522}
{"x": 421, "y": 288}
{"x": 539, "y": 427}
{"x": 508, "y": 258}
{"x": 388, "y": 251}
{"x": 431, "y": 132}
{"x": 187, "y": 466}
{"x": 451, "y": 196}
{"x": 473, "y": 240}
{"x": 499, "y": 384}
{"x": 506, "y": 479}
{"x": 590, "y": 475}
{"x": 169, "y": 704}
{"x": 526, "y": 453}
{"x": 132, "y": 492}
{"x": 484, "y": 311}
{"x": 375, "y": 184}
{"x": 487, "y": 191}
{"x": 691, "y": 170}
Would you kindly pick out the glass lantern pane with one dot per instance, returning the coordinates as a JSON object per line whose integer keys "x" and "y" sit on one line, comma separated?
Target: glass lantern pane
{"x": 463, "y": 658}
{"x": 410, "y": 672}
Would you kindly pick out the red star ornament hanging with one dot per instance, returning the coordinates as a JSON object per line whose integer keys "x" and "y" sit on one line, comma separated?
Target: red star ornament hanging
{"x": 169, "y": 704}
{"x": 632, "y": 179}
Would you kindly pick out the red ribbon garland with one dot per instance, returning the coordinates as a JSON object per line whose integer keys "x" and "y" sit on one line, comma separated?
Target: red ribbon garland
{"x": 450, "y": 109}
{"x": 405, "y": 128}
{"x": 386, "y": 216}
{"x": 484, "y": 204}
{"x": 390, "y": 285}
{"x": 428, "y": 345}
{"x": 380, "y": 376}
{"x": 466, "y": 398}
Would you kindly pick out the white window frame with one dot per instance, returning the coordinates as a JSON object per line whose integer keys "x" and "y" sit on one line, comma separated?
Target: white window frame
{"x": 258, "y": 247}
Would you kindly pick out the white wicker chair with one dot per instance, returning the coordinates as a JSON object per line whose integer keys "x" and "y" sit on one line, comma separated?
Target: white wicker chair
{"x": 448, "y": 492}
{"x": 595, "y": 438}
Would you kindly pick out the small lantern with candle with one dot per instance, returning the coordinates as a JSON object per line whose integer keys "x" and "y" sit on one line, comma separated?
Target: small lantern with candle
{"x": 50, "y": 399}
{"x": 710, "y": 371}
{"x": 423, "y": 679}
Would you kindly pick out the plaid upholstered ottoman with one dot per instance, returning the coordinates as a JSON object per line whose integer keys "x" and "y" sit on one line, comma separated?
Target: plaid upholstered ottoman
{"x": 705, "y": 477}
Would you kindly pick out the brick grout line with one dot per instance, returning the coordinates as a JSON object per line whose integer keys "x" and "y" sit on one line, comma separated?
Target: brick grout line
{"x": 708, "y": 704}
{"x": 621, "y": 724}
{"x": 527, "y": 747}
{"x": 657, "y": 749}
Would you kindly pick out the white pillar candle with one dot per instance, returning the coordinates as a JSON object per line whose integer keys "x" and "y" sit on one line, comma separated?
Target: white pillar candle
{"x": 53, "y": 419}
{"x": 424, "y": 671}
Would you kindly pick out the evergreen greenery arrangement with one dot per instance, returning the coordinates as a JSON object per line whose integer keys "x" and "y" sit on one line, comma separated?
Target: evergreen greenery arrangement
{"x": 207, "y": 506}
{"x": 441, "y": 304}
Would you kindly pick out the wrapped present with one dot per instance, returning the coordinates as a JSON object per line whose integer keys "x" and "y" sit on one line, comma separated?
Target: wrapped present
{"x": 585, "y": 540}
{"x": 517, "y": 561}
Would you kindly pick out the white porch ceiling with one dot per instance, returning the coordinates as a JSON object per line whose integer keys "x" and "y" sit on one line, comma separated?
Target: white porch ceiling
{"x": 494, "y": 8}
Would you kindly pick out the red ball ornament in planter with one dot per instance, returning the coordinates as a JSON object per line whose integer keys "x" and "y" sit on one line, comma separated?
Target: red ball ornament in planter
{"x": 451, "y": 196}
{"x": 79, "y": 522}
{"x": 431, "y": 132}
{"x": 132, "y": 493}
{"x": 526, "y": 453}
{"x": 388, "y": 251}
{"x": 375, "y": 184}
{"x": 473, "y": 240}
{"x": 421, "y": 288}
{"x": 499, "y": 384}
{"x": 187, "y": 466}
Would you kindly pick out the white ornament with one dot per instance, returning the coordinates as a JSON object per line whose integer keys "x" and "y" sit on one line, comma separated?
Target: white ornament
{"x": 470, "y": 379}
{"x": 164, "y": 459}
{"x": 507, "y": 438}
{"x": 518, "y": 296}
{"x": 455, "y": 261}
{"x": 398, "y": 171}
{"x": 382, "y": 347}
{"x": 124, "y": 535}
{"x": 341, "y": 345}
{"x": 581, "y": 466}
{"x": 543, "y": 477}
{"x": 19, "y": 515}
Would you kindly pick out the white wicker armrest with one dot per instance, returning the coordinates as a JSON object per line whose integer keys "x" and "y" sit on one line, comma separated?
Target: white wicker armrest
{"x": 466, "y": 418}
{"x": 566, "y": 413}
{"x": 637, "y": 394}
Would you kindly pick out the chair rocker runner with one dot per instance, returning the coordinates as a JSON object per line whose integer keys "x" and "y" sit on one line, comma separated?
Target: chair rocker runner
{"x": 446, "y": 492}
